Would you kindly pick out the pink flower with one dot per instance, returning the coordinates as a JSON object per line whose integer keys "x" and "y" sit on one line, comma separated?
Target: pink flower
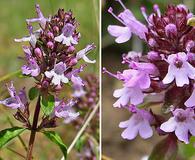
{"x": 179, "y": 69}
{"x": 133, "y": 95}
{"x": 134, "y": 25}
{"x": 123, "y": 34}
{"x": 139, "y": 123}
{"x": 181, "y": 123}
{"x": 131, "y": 25}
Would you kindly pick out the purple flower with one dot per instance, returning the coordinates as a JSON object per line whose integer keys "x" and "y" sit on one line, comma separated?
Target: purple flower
{"x": 132, "y": 25}
{"x": 78, "y": 86}
{"x": 57, "y": 74}
{"x": 82, "y": 53}
{"x": 15, "y": 100}
{"x": 139, "y": 123}
{"x": 123, "y": 34}
{"x": 41, "y": 19}
{"x": 32, "y": 68}
{"x": 32, "y": 38}
{"x": 133, "y": 95}
{"x": 66, "y": 36}
{"x": 181, "y": 123}
{"x": 191, "y": 100}
{"x": 64, "y": 110}
{"x": 179, "y": 69}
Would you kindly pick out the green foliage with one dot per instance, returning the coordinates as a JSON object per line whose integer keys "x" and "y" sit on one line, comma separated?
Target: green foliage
{"x": 165, "y": 150}
{"x": 33, "y": 93}
{"x": 54, "y": 137}
{"x": 80, "y": 143}
{"x": 187, "y": 150}
{"x": 47, "y": 104}
{"x": 9, "y": 134}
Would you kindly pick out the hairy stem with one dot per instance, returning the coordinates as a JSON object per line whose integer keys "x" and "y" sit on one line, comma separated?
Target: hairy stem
{"x": 33, "y": 130}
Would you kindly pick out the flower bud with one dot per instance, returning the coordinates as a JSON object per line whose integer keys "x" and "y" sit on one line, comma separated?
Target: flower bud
{"x": 71, "y": 49}
{"x": 73, "y": 62}
{"x": 56, "y": 29}
{"x": 191, "y": 56}
{"x": 50, "y": 35}
{"x": 190, "y": 44}
{"x": 50, "y": 45}
{"x": 38, "y": 53}
{"x": 45, "y": 84}
{"x": 151, "y": 42}
{"x": 171, "y": 30}
{"x": 152, "y": 55}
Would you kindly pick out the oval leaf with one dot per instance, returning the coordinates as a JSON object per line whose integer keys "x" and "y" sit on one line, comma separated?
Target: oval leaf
{"x": 33, "y": 93}
{"x": 47, "y": 104}
{"x": 165, "y": 149}
{"x": 9, "y": 134}
{"x": 54, "y": 137}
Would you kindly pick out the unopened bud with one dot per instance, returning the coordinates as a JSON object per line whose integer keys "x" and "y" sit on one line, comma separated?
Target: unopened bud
{"x": 38, "y": 53}
{"x": 50, "y": 35}
{"x": 152, "y": 55}
{"x": 50, "y": 45}
{"x": 71, "y": 49}
{"x": 171, "y": 30}
{"x": 56, "y": 29}
{"x": 73, "y": 62}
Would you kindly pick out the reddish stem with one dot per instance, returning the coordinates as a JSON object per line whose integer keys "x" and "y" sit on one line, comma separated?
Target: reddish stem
{"x": 33, "y": 130}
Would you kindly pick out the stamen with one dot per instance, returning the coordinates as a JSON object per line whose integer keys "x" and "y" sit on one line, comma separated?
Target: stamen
{"x": 110, "y": 10}
{"x": 143, "y": 10}
{"x": 30, "y": 29}
{"x": 122, "y": 4}
{"x": 104, "y": 70}
{"x": 157, "y": 10}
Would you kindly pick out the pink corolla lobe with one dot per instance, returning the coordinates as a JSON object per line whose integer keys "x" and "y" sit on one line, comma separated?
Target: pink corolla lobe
{"x": 139, "y": 123}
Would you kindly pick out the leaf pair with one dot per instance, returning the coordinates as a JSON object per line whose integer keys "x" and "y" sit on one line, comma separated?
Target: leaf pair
{"x": 9, "y": 134}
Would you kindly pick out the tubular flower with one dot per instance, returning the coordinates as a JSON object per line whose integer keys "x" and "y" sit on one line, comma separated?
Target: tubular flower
{"x": 181, "y": 123}
{"x": 15, "y": 100}
{"x": 139, "y": 123}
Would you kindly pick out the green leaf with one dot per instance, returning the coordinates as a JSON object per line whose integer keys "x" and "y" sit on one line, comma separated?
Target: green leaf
{"x": 9, "y": 134}
{"x": 54, "y": 137}
{"x": 33, "y": 93}
{"x": 165, "y": 149}
{"x": 47, "y": 104}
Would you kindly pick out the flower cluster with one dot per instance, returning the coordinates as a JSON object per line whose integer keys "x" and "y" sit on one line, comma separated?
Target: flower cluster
{"x": 168, "y": 68}
{"x": 52, "y": 60}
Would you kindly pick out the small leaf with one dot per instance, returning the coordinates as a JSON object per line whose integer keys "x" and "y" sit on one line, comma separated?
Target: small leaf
{"x": 54, "y": 137}
{"x": 165, "y": 149}
{"x": 33, "y": 93}
{"x": 47, "y": 104}
{"x": 9, "y": 134}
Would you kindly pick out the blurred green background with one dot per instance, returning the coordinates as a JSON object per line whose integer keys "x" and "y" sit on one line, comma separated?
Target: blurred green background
{"x": 113, "y": 145}
{"x": 13, "y": 14}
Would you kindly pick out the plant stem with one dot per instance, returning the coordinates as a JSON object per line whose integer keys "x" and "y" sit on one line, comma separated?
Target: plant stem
{"x": 33, "y": 130}
{"x": 82, "y": 129}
